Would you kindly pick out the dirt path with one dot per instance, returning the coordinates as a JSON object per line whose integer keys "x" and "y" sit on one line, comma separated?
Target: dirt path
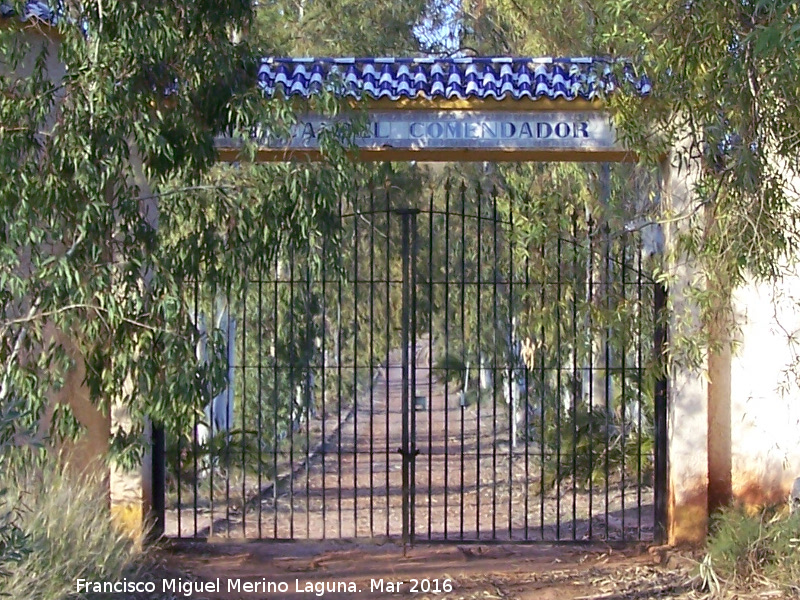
{"x": 541, "y": 572}
{"x": 469, "y": 484}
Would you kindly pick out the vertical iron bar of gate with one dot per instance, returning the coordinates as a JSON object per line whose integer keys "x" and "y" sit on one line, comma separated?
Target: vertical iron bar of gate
{"x": 178, "y": 474}
{"x": 446, "y": 337}
{"x": 574, "y": 387}
{"x": 559, "y": 390}
{"x": 623, "y": 348}
{"x": 607, "y": 366}
{"x": 463, "y": 282}
{"x": 275, "y": 395}
{"x": 387, "y": 370}
{"x": 228, "y": 390}
{"x": 292, "y": 398}
{"x": 341, "y": 276}
{"x": 245, "y": 288}
{"x": 413, "y": 327}
{"x": 495, "y": 283}
{"x": 478, "y": 279}
{"x": 260, "y": 388}
{"x": 195, "y": 443}
{"x": 660, "y": 338}
{"x": 513, "y": 371}
{"x": 158, "y": 456}
{"x": 309, "y": 351}
{"x": 529, "y": 365}
{"x": 430, "y": 376}
{"x": 589, "y": 361}
{"x": 544, "y": 277}
{"x": 446, "y": 342}
{"x": 404, "y": 448}
{"x": 639, "y": 368}
{"x": 211, "y": 449}
{"x": 356, "y": 216}
{"x": 605, "y": 183}
{"x": 324, "y": 384}
{"x": 372, "y": 362}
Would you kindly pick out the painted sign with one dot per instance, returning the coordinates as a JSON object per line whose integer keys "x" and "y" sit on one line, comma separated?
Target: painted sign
{"x": 437, "y": 134}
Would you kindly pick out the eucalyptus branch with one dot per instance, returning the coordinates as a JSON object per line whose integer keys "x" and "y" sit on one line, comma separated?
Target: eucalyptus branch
{"x": 367, "y": 221}
{"x": 5, "y": 388}
{"x": 33, "y": 316}
{"x": 75, "y": 245}
{"x": 196, "y": 188}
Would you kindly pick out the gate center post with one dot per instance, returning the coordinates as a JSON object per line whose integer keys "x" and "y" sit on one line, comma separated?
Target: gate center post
{"x": 408, "y": 334}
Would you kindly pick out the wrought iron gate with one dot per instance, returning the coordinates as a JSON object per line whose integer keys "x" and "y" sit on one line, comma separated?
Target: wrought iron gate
{"x": 466, "y": 369}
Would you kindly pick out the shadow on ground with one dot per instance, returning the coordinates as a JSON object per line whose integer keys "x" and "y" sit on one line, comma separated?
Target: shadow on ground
{"x": 373, "y": 570}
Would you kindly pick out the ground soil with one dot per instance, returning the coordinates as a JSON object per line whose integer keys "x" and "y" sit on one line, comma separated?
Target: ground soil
{"x": 539, "y": 571}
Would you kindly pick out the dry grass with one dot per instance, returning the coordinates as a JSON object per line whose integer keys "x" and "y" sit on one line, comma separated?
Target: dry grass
{"x": 69, "y": 534}
{"x": 751, "y": 553}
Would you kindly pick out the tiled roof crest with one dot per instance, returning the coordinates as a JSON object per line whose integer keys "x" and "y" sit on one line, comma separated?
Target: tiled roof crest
{"x": 449, "y": 78}
{"x": 429, "y": 78}
{"x": 36, "y": 9}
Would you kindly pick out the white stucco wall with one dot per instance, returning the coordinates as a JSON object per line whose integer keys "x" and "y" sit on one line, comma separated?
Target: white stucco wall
{"x": 765, "y": 390}
{"x": 687, "y": 503}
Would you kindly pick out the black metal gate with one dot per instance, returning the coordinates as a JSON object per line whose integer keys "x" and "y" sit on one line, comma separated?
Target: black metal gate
{"x": 466, "y": 369}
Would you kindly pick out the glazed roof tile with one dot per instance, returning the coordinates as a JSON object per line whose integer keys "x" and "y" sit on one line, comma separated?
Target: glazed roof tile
{"x": 36, "y": 9}
{"x": 481, "y": 78}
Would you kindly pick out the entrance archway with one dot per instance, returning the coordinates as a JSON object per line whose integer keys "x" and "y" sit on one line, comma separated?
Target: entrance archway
{"x": 389, "y": 370}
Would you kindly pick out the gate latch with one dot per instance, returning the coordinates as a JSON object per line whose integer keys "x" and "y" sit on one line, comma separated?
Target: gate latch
{"x": 407, "y": 453}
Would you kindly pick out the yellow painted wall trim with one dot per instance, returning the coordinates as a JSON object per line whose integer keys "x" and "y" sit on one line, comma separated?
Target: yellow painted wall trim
{"x": 129, "y": 518}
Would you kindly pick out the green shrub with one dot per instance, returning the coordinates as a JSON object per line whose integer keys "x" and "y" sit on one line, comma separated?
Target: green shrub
{"x": 588, "y": 444}
{"x": 451, "y": 367}
{"x": 744, "y": 548}
{"x": 68, "y": 532}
